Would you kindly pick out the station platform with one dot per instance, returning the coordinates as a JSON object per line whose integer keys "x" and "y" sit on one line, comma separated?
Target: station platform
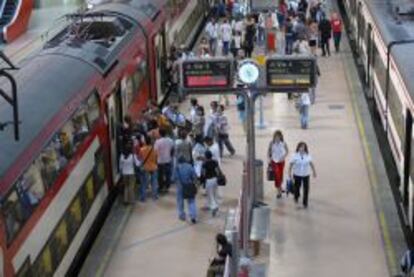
{"x": 351, "y": 227}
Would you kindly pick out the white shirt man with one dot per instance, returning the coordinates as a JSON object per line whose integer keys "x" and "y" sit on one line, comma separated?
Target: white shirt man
{"x": 212, "y": 30}
{"x": 164, "y": 147}
{"x": 225, "y": 31}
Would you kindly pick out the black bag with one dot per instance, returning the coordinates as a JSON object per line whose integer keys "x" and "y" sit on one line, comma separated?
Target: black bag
{"x": 270, "y": 172}
{"x": 221, "y": 180}
{"x": 189, "y": 191}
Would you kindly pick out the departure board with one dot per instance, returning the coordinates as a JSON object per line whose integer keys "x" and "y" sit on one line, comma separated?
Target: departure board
{"x": 206, "y": 73}
{"x": 290, "y": 73}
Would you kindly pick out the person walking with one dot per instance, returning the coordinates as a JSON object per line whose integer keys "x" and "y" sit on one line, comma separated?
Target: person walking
{"x": 313, "y": 36}
{"x": 225, "y": 34}
{"x": 325, "y": 30}
{"x": 289, "y": 36}
{"x": 241, "y": 108}
{"x": 210, "y": 172}
{"x": 127, "y": 163}
{"x": 183, "y": 147}
{"x": 198, "y": 122}
{"x": 223, "y": 132}
{"x": 249, "y": 36}
{"x": 336, "y": 24}
{"x": 198, "y": 153}
{"x": 164, "y": 146}
{"x": 277, "y": 154}
{"x": 299, "y": 170}
{"x": 186, "y": 189}
{"x": 148, "y": 156}
{"x": 212, "y": 31}
{"x": 236, "y": 43}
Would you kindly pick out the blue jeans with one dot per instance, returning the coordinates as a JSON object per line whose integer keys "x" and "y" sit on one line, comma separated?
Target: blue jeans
{"x": 289, "y": 40}
{"x": 164, "y": 176}
{"x": 226, "y": 48}
{"x": 304, "y": 116}
{"x": 145, "y": 178}
{"x": 191, "y": 203}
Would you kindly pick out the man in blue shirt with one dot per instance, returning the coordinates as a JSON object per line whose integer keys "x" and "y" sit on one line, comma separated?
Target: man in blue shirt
{"x": 186, "y": 189}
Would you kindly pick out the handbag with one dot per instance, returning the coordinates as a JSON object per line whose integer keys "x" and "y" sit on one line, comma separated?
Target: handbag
{"x": 270, "y": 172}
{"x": 221, "y": 180}
{"x": 289, "y": 186}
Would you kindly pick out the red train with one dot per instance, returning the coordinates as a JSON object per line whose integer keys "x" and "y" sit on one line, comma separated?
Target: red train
{"x": 57, "y": 181}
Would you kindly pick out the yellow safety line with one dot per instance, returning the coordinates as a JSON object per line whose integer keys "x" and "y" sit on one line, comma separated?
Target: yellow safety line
{"x": 389, "y": 248}
{"x": 105, "y": 260}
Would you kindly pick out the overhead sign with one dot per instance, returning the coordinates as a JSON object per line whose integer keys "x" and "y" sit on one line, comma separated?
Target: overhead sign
{"x": 206, "y": 73}
{"x": 290, "y": 73}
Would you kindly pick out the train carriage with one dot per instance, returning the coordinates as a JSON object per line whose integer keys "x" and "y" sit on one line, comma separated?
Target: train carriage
{"x": 58, "y": 180}
{"x": 373, "y": 25}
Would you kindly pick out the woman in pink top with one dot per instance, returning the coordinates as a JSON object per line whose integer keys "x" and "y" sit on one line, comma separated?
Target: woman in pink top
{"x": 336, "y": 24}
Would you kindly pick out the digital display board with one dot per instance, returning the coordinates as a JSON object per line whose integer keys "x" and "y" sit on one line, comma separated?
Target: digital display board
{"x": 206, "y": 73}
{"x": 290, "y": 73}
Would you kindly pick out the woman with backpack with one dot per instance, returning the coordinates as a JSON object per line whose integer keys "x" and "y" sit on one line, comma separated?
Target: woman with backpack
{"x": 299, "y": 170}
{"x": 277, "y": 154}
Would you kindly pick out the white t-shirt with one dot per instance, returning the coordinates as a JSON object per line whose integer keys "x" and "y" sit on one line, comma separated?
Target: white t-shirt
{"x": 278, "y": 151}
{"x": 237, "y": 41}
{"x": 126, "y": 164}
{"x": 304, "y": 99}
{"x": 301, "y": 164}
{"x": 164, "y": 146}
{"x": 212, "y": 30}
{"x": 198, "y": 152}
{"x": 226, "y": 32}
{"x": 215, "y": 150}
{"x": 238, "y": 26}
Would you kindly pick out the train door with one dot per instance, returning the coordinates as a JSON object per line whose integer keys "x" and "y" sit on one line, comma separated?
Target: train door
{"x": 407, "y": 157}
{"x": 160, "y": 63}
{"x": 114, "y": 113}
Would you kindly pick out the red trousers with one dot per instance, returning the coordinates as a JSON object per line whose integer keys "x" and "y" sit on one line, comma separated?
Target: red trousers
{"x": 278, "y": 170}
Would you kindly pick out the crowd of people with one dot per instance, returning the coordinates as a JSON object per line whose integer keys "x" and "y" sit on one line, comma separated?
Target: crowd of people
{"x": 166, "y": 147}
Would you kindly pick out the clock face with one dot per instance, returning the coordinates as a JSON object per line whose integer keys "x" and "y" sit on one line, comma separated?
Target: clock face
{"x": 248, "y": 73}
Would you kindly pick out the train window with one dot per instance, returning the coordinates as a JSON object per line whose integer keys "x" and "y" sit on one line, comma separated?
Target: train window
{"x": 396, "y": 110}
{"x": 80, "y": 125}
{"x": 51, "y": 165}
{"x": 30, "y": 188}
{"x": 75, "y": 214}
{"x": 89, "y": 193}
{"x": 13, "y": 215}
{"x": 44, "y": 263}
{"x": 93, "y": 108}
{"x": 61, "y": 239}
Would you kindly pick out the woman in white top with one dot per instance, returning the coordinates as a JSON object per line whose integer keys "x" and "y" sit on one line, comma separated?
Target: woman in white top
{"x": 127, "y": 163}
{"x": 277, "y": 154}
{"x": 300, "y": 170}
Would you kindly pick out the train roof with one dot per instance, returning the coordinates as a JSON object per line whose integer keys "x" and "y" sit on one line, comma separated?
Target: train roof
{"x": 46, "y": 79}
{"x": 395, "y": 26}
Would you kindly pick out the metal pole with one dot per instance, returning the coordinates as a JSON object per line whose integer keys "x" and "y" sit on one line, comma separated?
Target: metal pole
{"x": 261, "y": 124}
